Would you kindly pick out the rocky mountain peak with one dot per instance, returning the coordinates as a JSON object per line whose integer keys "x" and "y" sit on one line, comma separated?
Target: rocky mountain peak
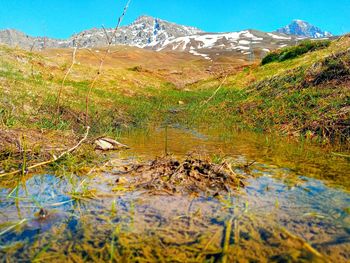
{"x": 143, "y": 18}
{"x": 303, "y": 29}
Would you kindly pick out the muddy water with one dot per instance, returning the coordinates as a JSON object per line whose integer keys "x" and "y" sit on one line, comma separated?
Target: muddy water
{"x": 295, "y": 207}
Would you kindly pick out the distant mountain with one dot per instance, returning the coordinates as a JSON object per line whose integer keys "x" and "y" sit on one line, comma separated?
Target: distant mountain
{"x": 303, "y": 29}
{"x": 248, "y": 43}
{"x": 144, "y": 32}
{"x": 153, "y": 33}
{"x": 15, "y": 38}
{"x": 157, "y": 34}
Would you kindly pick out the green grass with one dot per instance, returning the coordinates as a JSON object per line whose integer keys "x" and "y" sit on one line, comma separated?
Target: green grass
{"x": 306, "y": 100}
{"x": 288, "y": 53}
{"x": 300, "y": 96}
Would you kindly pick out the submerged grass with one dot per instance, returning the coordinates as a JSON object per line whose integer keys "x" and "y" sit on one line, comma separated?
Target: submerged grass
{"x": 137, "y": 227}
{"x": 149, "y": 233}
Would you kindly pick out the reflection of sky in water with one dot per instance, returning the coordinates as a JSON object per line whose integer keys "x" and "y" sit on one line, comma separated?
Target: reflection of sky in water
{"x": 309, "y": 197}
{"x": 278, "y": 195}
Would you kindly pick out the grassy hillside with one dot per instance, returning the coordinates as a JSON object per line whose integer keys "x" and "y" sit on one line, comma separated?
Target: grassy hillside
{"x": 129, "y": 91}
{"x": 305, "y": 96}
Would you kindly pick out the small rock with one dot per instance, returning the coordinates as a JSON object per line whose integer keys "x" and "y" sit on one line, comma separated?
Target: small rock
{"x": 43, "y": 213}
{"x": 108, "y": 144}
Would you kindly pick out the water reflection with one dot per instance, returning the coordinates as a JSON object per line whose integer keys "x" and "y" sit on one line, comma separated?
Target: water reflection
{"x": 303, "y": 159}
{"x": 288, "y": 211}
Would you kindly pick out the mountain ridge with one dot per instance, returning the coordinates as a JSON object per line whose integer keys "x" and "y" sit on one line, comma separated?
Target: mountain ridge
{"x": 161, "y": 35}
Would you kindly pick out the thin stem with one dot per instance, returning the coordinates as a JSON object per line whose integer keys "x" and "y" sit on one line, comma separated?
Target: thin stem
{"x": 54, "y": 159}
{"x": 64, "y": 80}
{"x": 99, "y": 71}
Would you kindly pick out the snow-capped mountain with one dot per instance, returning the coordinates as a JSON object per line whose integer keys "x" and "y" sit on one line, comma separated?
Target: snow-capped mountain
{"x": 160, "y": 35}
{"x": 157, "y": 34}
{"x": 303, "y": 29}
{"x": 145, "y": 32}
{"x": 211, "y": 45}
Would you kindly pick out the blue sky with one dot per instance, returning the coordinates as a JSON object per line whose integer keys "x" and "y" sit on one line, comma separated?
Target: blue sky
{"x": 62, "y": 18}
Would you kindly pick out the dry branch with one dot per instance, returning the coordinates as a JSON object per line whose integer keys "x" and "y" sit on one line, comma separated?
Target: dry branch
{"x": 54, "y": 159}
{"x": 106, "y": 34}
{"x": 215, "y": 92}
{"x": 65, "y": 78}
{"x": 107, "y": 51}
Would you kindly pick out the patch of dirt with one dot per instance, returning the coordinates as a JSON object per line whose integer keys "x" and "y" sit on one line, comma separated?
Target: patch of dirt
{"x": 171, "y": 176}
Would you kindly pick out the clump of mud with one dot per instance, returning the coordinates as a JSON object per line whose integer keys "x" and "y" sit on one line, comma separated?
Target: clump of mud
{"x": 168, "y": 175}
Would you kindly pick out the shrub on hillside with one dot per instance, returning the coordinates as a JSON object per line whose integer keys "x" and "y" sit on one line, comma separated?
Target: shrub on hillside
{"x": 296, "y": 51}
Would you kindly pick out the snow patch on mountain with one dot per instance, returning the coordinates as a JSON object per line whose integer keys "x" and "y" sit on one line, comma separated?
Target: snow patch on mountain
{"x": 160, "y": 35}
{"x": 194, "y": 52}
{"x": 278, "y": 36}
{"x": 209, "y": 41}
{"x": 144, "y": 32}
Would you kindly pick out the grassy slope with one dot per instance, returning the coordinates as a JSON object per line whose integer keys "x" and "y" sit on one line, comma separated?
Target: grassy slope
{"x": 308, "y": 96}
{"x": 135, "y": 87}
{"x": 283, "y": 96}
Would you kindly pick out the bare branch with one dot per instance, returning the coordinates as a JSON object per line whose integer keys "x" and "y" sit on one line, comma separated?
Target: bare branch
{"x": 106, "y": 34}
{"x": 107, "y": 51}
{"x": 64, "y": 80}
{"x": 215, "y": 92}
{"x": 54, "y": 159}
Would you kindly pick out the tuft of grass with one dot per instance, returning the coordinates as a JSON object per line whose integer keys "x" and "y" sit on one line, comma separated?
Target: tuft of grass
{"x": 287, "y": 53}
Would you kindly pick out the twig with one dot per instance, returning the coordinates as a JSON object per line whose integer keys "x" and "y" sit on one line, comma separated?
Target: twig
{"x": 92, "y": 53}
{"x": 249, "y": 164}
{"x": 105, "y": 31}
{"x": 107, "y": 51}
{"x": 55, "y": 159}
{"x": 24, "y": 156}
{"x": 31, "y": 60}
{"x": 33, "y": 45}
{"x": 65, "y": 78}
{"x": 216, "y": 91}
